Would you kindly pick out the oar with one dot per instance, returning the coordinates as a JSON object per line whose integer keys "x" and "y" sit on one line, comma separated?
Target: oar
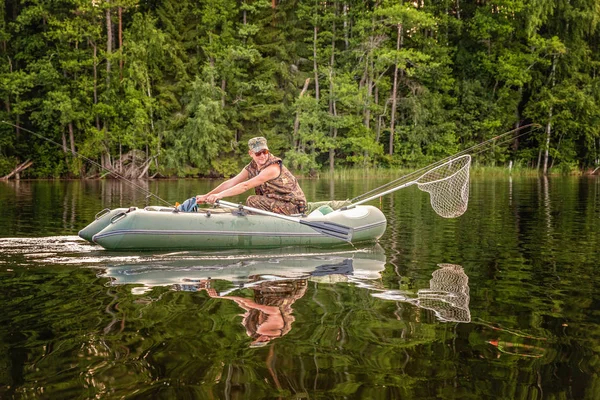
{"x": 332, "y": 229}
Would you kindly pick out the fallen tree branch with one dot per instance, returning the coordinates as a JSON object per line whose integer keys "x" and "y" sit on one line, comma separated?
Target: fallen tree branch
{"x": 146, "y": 166}
{"x": 18, "y": 169}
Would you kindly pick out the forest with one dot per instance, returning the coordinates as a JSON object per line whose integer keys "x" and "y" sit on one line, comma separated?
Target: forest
{"x": 164, "y": 88}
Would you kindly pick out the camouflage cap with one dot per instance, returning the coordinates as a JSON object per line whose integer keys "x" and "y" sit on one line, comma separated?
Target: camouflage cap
{"x": 257, "y": 144}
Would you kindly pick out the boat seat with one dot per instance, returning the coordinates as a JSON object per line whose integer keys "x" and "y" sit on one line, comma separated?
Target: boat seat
{"x": 334, "y": 204}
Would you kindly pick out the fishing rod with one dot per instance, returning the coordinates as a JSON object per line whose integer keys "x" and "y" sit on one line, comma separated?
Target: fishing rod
{"x": 451, "y": 157}
{"x": 113, "y": 173}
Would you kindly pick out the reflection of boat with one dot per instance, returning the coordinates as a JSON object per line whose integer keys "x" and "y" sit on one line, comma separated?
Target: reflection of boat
{"x": 163, "y": 228}
{"x": 447, "y": 295}
{"x": 187, "y": 269}
{"x": 276, "y": 279}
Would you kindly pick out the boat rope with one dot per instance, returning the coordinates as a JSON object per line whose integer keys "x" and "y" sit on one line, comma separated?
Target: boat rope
{"x": 470, "y": 150}
{"x": 147, "y": 192}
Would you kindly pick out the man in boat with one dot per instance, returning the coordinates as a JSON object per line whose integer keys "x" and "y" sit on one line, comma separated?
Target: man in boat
{"x": 276, "y": 189}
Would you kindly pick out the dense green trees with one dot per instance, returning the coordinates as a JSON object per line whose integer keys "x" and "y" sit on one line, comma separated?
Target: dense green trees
{"x": 177, "y": 87}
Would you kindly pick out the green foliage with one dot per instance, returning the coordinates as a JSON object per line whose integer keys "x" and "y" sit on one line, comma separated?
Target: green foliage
{"x": 203, "y": 135}
{"x": 7, "y": 165}
{"x": 191, "y": 82}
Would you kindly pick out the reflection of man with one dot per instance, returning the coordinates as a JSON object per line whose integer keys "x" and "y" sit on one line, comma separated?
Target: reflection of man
{"x": 269, "y": 315}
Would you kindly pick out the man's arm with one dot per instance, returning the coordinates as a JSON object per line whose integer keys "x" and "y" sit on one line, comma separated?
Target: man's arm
{"x": 241, "y": 177}
{"x": 271, "y": 172}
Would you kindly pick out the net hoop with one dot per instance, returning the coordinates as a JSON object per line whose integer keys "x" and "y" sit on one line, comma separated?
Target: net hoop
{"x": 464, "y": 162}
{"x": 448, "y": 186}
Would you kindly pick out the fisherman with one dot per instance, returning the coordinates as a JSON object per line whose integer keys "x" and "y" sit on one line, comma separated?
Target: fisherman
{"x": 276, "y": 189}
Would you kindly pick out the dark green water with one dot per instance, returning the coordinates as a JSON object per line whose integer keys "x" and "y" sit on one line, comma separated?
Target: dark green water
{"x": 500, "y": 303}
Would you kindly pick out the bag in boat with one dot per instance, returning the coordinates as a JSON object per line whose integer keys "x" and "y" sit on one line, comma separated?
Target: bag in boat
{"x": 189, "y": 205}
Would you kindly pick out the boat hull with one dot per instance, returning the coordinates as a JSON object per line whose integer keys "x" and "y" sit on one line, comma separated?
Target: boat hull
{"x": 101, "y": 221}
{"x": 156, "y": 228}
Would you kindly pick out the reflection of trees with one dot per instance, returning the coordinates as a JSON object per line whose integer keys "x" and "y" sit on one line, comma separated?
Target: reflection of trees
{"x": 344, "y": 343}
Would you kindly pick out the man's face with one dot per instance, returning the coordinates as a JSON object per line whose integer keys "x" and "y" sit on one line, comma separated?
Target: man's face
{"x": 260, "y": 157}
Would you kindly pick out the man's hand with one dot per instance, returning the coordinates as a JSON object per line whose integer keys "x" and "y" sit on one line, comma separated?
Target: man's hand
{"x": 201, "y": 198}
{"x": 211, "y": 198}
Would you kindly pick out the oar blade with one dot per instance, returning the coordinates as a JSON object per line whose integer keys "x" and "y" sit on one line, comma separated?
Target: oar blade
{"x": 332, "y": 229}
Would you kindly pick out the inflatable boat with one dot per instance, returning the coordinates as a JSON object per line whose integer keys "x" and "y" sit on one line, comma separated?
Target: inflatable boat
{"x": 154, "y": 228}
{"x": 165, "y": 228}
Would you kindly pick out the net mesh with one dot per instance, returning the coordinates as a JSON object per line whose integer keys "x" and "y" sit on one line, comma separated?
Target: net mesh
{"x": 448, "y": 294}
{"x": 448, "y": 187}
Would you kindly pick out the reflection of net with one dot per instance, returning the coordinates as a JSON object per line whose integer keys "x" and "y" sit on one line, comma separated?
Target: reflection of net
{"x": 448, "y": 294}
{"x": 448, "y": 187}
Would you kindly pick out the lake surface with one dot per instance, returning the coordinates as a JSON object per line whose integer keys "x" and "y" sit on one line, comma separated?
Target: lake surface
{"x": 501, "y": 303}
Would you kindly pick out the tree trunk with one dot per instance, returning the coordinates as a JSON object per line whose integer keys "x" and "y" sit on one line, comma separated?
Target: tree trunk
{"x": 346, "y": 41}
{"x": 395, "y": 92}
{"x": 515, "y": 145}
{"x": 7, "y": 100}
{"x": 547, "y": 143}
{"x": 149, "y": 92}
{"x": 72, "y": 138}
{"x": 369, "y": 85}
{"x": 95, "y": 69}
{"x": 332, "y": 105}
{"x": 223, "y": 87}
{"x": 549, "y": 124}
{"x": 109, "y": 44}
{"x": 315, "y": 66}
{"x": 64, "y": 142}
{"x": 121, "y": 43}
{"x": 369, "y": 72}
{"x": 297, "y": 120}
{"x": 109, "y": 47}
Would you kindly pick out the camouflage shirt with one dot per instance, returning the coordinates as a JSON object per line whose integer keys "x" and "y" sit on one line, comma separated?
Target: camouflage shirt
{"x": 283, "y": 188}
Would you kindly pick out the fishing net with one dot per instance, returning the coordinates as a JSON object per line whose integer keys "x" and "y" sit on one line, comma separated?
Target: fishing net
{"x": 448, "y": 294}
{"x": 448, "y": 186}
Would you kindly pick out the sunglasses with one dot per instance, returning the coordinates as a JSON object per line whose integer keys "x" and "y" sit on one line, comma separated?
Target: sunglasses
{"x": 261, "y": 152}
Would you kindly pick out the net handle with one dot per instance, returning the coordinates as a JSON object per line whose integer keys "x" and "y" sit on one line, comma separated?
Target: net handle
{"x": 414, "y": 182}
